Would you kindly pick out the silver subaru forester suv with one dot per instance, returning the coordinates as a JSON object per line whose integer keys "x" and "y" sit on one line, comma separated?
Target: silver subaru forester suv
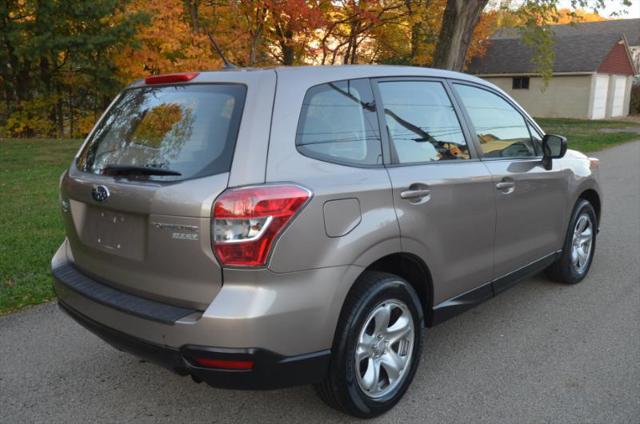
{"x": 257, "y": 229}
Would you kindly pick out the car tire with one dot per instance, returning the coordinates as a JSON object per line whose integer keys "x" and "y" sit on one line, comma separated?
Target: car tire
{"x": 372, "y": 365}
{"x": 575, "y": 260}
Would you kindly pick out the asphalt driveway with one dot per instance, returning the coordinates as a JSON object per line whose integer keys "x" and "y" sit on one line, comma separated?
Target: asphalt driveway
{"x": 538, "y": 353}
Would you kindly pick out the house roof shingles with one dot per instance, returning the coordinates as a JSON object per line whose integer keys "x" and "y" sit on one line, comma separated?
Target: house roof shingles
{"x": 629, "y": 27}
{"x": 578, "y": 48}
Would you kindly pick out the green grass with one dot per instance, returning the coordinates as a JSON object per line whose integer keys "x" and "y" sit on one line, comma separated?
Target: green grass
{"x": 30, "y": 222}
{"x": 586, "y": 136}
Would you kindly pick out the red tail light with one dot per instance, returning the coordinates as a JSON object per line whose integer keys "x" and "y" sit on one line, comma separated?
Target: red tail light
{"x": 171, "y": 78}
{"x": 224, "y": 364}
{"x": 247, "y": 221}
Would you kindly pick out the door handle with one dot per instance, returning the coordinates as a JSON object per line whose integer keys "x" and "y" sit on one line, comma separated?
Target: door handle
{"x": 415, "y": 194}
{"x": 506, "y": 186}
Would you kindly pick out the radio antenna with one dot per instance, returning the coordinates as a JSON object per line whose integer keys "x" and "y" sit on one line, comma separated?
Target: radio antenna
{"x": 227, "y": 64}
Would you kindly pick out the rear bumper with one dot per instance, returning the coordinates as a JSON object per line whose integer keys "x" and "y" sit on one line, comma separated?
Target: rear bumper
{"x": 283, "y": 323}
{"x": 270, "y": 370}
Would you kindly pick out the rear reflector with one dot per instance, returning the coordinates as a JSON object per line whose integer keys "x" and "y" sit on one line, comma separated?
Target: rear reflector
{"x": 224, "y": 364}
{"x": 247, "y": 221}
{"x": 170, "y": 78}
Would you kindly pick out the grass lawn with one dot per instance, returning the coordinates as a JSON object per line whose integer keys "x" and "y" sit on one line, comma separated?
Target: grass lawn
{"x": 31, "y": 228}
{"x": 586, "y": 135}
{"x": 30, "y": 223}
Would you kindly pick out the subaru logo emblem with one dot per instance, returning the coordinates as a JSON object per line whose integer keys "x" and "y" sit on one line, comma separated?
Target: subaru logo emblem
{"x": 100, "y": 193}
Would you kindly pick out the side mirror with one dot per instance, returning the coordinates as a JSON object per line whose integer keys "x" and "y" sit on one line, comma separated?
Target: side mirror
{"x": 553, "y": 147}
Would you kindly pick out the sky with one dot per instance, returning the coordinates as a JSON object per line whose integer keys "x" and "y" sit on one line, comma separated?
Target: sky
{"x": 612, "y": 7}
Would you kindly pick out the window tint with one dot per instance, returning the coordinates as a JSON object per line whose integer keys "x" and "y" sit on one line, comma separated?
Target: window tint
{"x": 189, "y": 129}
{"x": 501, "y": 129}
{"x": 421, "y": 122}
{"x": 338, "y": 123}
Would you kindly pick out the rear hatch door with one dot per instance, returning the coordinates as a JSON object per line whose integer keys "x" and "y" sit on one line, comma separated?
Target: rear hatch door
{"x": 137, "y": 200}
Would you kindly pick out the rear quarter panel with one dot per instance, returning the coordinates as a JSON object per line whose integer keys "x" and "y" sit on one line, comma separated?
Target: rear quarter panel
{"x": 310, "y": 242}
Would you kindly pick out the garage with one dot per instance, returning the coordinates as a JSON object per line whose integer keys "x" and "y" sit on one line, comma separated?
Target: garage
{"x": 592, "y": 71}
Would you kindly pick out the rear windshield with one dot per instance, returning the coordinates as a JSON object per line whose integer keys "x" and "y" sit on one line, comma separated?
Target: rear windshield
{"x": 190, "y": 130}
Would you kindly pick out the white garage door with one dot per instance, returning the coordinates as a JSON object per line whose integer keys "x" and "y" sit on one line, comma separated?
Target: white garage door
{"x": 619, "y": 90}
{"x": 600, "y": 91}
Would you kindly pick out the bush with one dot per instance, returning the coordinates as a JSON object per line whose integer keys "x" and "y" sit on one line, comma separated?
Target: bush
{"x": 37, "y": 118}
{"x": 635, "y": 98}
{"x": 30, "y": 119}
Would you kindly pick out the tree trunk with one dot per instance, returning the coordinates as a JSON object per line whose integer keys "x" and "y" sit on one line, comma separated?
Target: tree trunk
{"x": 459, "y": 21}
{"x": 192, "y": 6}
{"x": 288, "y": 54}
{"x": 354, "y": 51}
{"x": 45, "y": 77}
{"x": 285, "y": 39}
{"x": 259, "y": 20}
{"x": 59, "y": 114}
{"x": 253, "y": 50}
{"x": 347, "y": 52}
{"x": 351, "y": 54}
{"x": 416, "y": 30}
{"x": 417, "y": 38}
{"x": 71, "y": 117}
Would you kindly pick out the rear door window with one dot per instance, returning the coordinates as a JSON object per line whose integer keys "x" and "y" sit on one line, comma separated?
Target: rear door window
{"x": 190, "y": 130}
{"x": 338, "y": 123}
{"x": 421, "y": 122}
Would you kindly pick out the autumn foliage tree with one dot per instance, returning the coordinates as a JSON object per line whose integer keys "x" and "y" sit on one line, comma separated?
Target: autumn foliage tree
{"x": 292, "y": 28}
{"x": 167, "y": 43}
{"x": 56, "y": 63}
{"x": 62, "y": 61}
{"x": 413, "y": 39}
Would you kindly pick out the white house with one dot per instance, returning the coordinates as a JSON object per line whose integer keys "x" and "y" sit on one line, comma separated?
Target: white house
{"x": 593, "y": 72}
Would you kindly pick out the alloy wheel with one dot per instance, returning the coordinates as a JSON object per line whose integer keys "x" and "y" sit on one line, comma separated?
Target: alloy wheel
{"x": 385, "y": 348}
{"x": 582, "y": 243}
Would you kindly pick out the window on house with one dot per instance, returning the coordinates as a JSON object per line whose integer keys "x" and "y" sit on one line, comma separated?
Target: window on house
{"x": 521, "y": 83}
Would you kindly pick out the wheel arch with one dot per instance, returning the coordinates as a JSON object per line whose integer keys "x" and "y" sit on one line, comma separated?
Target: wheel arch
{"x": 593, "y": 197}
{"x": 412, "y": 269}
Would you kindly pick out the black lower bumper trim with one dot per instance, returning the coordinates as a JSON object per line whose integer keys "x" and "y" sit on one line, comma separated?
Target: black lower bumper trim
{"x": 270, "y": 370}
{"x": 70, "y": 277}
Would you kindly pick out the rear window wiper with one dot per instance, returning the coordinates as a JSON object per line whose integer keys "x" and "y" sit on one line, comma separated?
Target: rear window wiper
{"x": 136, "y": 170}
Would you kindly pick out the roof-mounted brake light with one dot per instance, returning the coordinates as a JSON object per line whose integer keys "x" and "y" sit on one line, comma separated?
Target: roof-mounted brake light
{"x": 170, "y": 78}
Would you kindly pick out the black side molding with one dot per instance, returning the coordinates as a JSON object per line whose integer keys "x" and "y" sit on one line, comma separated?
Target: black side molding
{"x": 456, "y": 305}
{"x": 69, "y": 277}
{"x": 510, "y": 280}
